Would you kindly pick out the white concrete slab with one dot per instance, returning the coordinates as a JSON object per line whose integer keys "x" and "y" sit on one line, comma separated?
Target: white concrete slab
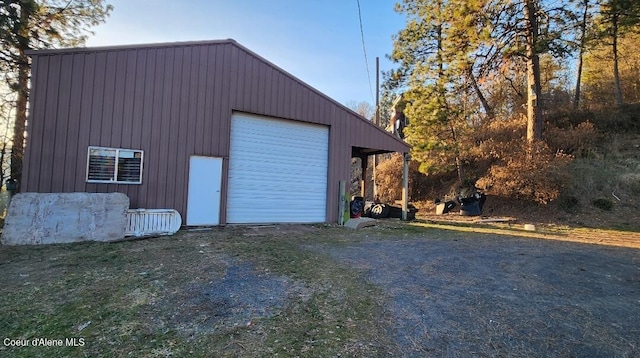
{"x": 50, "y": 218}
{"x": 359, "y": 223}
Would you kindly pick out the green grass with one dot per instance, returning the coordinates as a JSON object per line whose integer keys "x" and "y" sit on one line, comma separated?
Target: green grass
{"x": 128, "y": 294}
{"x": 136, "y": 298}
{"x": 612, "y": 169}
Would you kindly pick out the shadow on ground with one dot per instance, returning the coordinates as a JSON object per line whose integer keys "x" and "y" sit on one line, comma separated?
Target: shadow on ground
{"x": 490, "y": 295}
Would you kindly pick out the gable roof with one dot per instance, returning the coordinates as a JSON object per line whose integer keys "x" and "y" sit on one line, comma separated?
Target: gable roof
{"x": 376, "y": 133}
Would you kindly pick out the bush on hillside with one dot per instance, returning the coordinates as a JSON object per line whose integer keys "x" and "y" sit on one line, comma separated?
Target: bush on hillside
{"x": 497, "y": 154}
{"x": 389, "y": 180}
{"x": 603, "y": 204}
{"x": 578, "y": 140}
{"x": 618, "y": 120}
{"x": 530, "y": 174}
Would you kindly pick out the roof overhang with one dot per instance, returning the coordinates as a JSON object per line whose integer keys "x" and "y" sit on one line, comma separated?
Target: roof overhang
{"x": 358, "y": 152}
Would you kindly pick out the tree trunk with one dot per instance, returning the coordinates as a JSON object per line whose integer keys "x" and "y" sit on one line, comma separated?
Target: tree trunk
{"x": 19, "y": 125}
{"x": 454, "y": 136}
{"x": 3, "y": 153}
{"x": 616, "y": 73}
{"x": 583, "y": 35}
{"x": 534, "y": 116}
{"x": 483, "y": 100}
{"x": 576, "y": 98}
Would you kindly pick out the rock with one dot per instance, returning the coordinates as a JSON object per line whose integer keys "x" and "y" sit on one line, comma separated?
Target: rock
{"x": 359, "y": 223}
{"x": 50, "y": 218}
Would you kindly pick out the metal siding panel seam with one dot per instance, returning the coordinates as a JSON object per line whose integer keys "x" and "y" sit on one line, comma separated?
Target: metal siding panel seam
{"x": 49, "y": 125}
{"x": 60, "y": 175}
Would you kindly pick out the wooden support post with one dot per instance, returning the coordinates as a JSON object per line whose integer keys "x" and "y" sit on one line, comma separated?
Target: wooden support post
{"x": 363, "y": 176}
{"x": 377, "y": 121}
{"x": 405, "y": 186}
{"x": 373, "y": 178}
{"x": 342, "y": 189}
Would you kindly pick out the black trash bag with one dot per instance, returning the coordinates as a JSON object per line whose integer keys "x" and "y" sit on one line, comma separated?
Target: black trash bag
{"x": 357, "y": 207}
{"x": 366, "y": 212}
{"x": 472, "y": 205}
{"x": 444, "y": 207}
{"x": 379, "y": 211}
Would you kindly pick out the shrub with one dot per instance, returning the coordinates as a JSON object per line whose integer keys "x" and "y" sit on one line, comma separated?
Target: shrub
{"x": 631, "y": 182}
{"x": 567, "y": 119}
{"x": 526, "y": 173}
{"x": 603, "y": 204}
{"x": 576, "y": 140}
{"x": 568, "y": 203}
{"x": 389, "y": 180}
{"x": 618, "y": 120}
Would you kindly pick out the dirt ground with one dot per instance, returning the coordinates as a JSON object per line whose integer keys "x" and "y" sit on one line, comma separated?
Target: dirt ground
{"x": 395, "y": 290}
{"x": 496, "y": 296}
{"x": 624, "y": 216}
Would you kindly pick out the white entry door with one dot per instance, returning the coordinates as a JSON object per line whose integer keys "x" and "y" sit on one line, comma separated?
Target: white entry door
{"x": 205, "y": 180}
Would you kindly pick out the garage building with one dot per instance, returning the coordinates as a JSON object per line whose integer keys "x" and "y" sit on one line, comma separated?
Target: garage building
{"x": 208, "y": 128}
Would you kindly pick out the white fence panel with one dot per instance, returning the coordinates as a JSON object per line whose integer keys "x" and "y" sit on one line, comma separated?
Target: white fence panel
{"x": 143, "y": 222}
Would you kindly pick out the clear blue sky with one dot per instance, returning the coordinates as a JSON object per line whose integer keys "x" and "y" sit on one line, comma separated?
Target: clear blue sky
{"x": 317, "y": 41}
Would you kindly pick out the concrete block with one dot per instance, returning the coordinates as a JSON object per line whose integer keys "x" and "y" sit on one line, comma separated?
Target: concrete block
{"x": 359, "y": 223}
{"x": 50, "y": 218}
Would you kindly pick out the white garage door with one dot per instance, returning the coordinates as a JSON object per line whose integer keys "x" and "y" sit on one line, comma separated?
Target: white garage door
{"x": 277, "y": 171}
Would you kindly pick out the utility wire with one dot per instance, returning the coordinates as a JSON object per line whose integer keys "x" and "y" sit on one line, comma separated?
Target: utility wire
{"x": 364, "y": 49}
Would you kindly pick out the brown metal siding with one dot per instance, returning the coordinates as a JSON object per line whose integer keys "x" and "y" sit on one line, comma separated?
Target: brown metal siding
{"x": 172, "y": 101}
{"x": 34, "y": 135}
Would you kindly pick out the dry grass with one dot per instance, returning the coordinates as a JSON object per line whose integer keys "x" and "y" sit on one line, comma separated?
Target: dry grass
{"x": 606, "y": 237}
{"x": 161, "y": 297}
{"x": 601, "y": 190}
{"x": 261, "y": 291}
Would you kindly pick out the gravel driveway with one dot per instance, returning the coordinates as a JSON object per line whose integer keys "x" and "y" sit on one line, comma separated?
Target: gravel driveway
{"x": 495, "y": 296}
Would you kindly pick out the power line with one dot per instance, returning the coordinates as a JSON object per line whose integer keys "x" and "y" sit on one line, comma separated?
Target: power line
{"x": 364, "y": 49}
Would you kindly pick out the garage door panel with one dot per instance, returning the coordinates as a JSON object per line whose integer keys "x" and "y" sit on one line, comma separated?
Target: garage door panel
{"x": 305, "y": 151}
{"x": 282, "y": 128}
{"x": 294, "y": 187}
{"x": 266, "y": 153}
{"x": 304, "y": 168}
{"x": 303, "y": 148}
{"x": 292, "y": 176}
{"x": 268, "y": 209}
{"x": 282, "y": 195}
{"x": 277, "y": 171}
{"x": 260, "y": 161}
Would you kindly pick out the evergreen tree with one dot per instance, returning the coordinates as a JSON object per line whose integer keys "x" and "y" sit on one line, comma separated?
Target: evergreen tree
{"x": 599, "y": 86}
{"x": 447, "y": 45}
{"x": 617, "y": 17}
{"x": 583, "y": 27}
{"x": 39, "y": 24}
{"x": 437, "y": 53}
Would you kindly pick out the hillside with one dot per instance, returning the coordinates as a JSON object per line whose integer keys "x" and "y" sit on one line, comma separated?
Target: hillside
{"x": 603, "y": 191}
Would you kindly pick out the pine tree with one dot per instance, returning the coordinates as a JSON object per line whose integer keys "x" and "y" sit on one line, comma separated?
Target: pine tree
{"x": 38, "y": 24}
{"x": 617, "y": 17}
{"x": 582, "y": 42}
{"x": 427, "y": 70}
